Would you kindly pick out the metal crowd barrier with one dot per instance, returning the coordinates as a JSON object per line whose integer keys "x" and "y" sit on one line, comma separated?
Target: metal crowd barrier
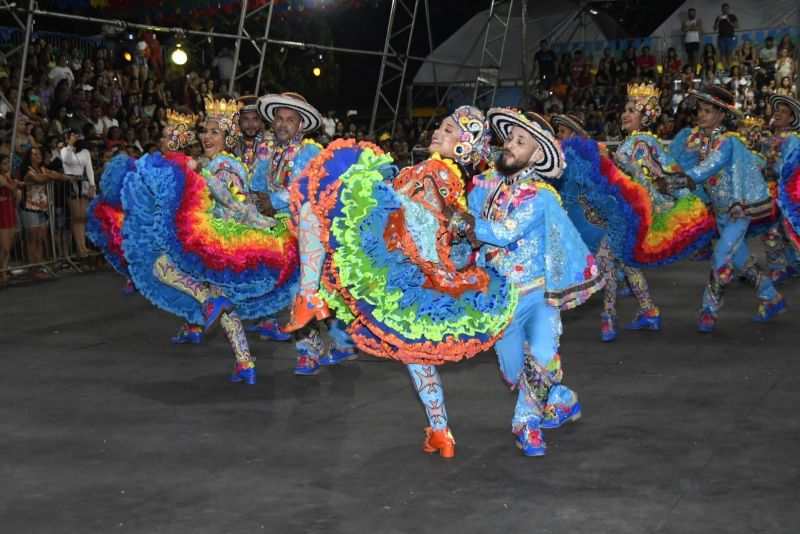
{"x": 52, "y": 250}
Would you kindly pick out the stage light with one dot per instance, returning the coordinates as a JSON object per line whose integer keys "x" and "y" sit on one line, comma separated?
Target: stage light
{"x": 593, "y": 11}
{"x": 127, "y": 56}
{"x": 317, "y": 71}
{"x": 179, "y": 56}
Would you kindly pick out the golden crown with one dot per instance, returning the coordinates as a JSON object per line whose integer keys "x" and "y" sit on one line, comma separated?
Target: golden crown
{"x": 643, "y": 91}
{"x": 175, "y": 119}
{"x": 751, "y": 122}
{"x": 222, "y": 109}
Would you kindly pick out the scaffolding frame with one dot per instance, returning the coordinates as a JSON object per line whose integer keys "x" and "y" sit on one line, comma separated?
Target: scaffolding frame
{"x": 494, "y": 45}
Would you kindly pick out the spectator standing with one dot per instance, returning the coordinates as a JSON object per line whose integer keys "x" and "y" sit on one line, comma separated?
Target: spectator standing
{"x": 77, "y": 163}
{"x": 691, "y": 28}
{"x": 224, "y": 65}
{"x": 725, "y": 25}
{"x": 61, "y": 72}
{"x": 545, "y": 60}
{"x": 329, "y": 124}
{"x": 768, "y": 56}
{"x": 9, "y": 197}
{"x": 785, "y": 66}
{"x": 576, "y": 66}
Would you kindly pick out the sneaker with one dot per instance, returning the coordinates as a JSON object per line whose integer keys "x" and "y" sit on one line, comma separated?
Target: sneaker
{"x": 645, "y": 320}
{"x": 334, "y": 356}
{"x": 707, "y": 322}
{"x": 306, "y": 366}
{"x": 608, "y": 327}
{"x": 553, "y": 416}
{"x": 769, "y": 308}
{"x": 531, "y": 441}
{"x": 270, "y": 330}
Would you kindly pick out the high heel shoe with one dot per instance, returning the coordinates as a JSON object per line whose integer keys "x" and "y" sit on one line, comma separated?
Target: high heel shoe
{"x": 439, "y": 440}
{"x": 244, "y": 372}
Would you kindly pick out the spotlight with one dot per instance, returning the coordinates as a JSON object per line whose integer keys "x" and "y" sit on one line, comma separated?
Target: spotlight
{"x": 127, "y": 56}
{"x": 317, "y": 71}
{"x": 593, "y": 11}
{"x": 178, "y": 55}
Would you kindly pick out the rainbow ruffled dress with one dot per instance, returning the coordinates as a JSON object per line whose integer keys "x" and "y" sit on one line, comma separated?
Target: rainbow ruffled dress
{"x": 171, "y": 210}
{"x": 644, "y": 227}
{"x": 105, "y": 215}
{"x": 789, "y": 188}
{"x": 390, "y": 273}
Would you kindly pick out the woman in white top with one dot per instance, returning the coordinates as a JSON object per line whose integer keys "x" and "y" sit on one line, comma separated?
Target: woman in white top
{"x": 78, "y": 166}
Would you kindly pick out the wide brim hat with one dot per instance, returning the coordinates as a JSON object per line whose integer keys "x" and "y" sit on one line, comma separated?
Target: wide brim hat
{"x": 310, "y": 118}
{"x": 719, "y": 97}
{"x": 792, "y": 103}
{"x": 569, "y": 121}
{"x": 504, "y": 119}
{"x": 249, "y": 104}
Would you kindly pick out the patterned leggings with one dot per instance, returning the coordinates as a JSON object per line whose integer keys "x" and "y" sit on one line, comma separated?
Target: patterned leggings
{"x": 166, "y": 272}
{"x": 608, "y": 266}
{"x": 312, "y": 253}
{"x": 431, "y": 393}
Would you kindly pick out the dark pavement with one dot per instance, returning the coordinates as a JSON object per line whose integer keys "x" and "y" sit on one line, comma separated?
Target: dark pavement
{"x": 106, "y": 427}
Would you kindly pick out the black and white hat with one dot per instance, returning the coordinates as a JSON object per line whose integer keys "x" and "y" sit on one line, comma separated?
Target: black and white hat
{"x": 792, "y": 103}
{"x": 570, "y": 122}
{"x": 504, "y": 119}
{"x": 309, "y": 116}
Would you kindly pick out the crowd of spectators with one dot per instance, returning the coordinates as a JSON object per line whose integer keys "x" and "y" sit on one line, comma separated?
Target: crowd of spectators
{"x": 100, "y": 101}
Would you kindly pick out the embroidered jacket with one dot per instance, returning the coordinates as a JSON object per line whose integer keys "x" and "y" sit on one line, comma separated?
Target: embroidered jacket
{"x": 730, "y": 173}
{"x": 529, "y": 238}
{"x": 277, "y": 166}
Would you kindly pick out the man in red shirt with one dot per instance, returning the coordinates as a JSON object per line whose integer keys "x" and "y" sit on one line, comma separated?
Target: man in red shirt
{"x": 646, "y": 63}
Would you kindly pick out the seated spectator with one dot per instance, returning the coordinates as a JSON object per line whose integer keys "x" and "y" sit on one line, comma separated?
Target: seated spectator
{"x": 674, "y": 63}
{"x": 785, "y": 66}
{"x": 577, "y": 64}
{"x": 786, "y": 88}
{"x": 746, "y": 56}
{"x": 61, "y": 72}
{"x": 646, "y": 63}
{"x": 786, "y": 42}
{"x": 767, "y": 57}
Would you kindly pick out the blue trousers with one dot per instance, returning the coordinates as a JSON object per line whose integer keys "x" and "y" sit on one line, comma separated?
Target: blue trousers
{"x": 731, "y": 253}
{"x": 529, "y": 360}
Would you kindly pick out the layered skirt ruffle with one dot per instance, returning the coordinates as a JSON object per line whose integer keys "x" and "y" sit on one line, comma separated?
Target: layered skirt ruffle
{"x": 395, "y": 305}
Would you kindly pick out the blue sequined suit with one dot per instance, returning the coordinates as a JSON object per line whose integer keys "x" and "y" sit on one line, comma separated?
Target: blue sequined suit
{"x": 732, "y": 178}
{"x": 529, "y": 238}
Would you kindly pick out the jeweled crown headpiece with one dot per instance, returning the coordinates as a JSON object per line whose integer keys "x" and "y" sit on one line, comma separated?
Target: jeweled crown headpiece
{"x": 645, "y": 98}
{"x": 180, "y": 130}
{"x": 226, "y": 112}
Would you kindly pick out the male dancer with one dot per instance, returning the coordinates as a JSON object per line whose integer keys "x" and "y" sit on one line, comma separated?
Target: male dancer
{"x": 525, "y": 234}
{"x": 281, "y": 159}
{"x": 738, "y": 193}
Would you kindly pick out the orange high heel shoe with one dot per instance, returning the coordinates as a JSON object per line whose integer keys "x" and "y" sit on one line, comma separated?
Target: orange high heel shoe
{"x": 439, "y": 440}
{"x": 305, "y": 308}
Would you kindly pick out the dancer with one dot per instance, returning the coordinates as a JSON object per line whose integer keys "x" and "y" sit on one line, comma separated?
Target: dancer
{"x": 391, "y": 271}
{"x": 281, "y": 160}
{"x": 517, "y": 218}
{"x": 782, "y": 152}
{"x": 196, "y": 247}
{"x": 732, "y": 178}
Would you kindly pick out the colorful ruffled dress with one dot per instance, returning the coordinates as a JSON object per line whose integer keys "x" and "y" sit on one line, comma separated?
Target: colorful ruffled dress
{"x": 175, "y": 212}
{"x": 105, "y": 214}
{"x": 789, "y": 188}
{"x": 391, "y": 273}
{"x": 644, "y": 227}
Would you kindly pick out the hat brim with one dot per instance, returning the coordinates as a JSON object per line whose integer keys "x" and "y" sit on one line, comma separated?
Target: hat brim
{"x": 552, "y": 164}
{"x": 310, "y": 118}
{"x": 793, "y": 104}
{"x": 560, "y": 120}
{"x": 730, "y": 110}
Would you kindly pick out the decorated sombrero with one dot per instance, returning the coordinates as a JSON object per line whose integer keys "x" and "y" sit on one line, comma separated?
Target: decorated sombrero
{"x": 792, "y": 103}
{"x": 571, "y": 122}
{"x": 504, "y": 119}
{"x": 249, "y": 104}
{"x": 720, "y": 97}
{"x": 309, "y": 116}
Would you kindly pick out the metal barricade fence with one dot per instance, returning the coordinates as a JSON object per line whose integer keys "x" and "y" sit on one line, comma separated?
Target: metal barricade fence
{"x": 45, "y": 242}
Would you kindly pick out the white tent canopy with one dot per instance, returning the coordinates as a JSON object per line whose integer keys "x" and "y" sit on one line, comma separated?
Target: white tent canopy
{"x": 557, "y": 21}
{"x": 753, "y": 15}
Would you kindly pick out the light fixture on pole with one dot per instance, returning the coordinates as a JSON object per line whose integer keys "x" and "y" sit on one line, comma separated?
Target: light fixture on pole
{"x": 178, "y": 55}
